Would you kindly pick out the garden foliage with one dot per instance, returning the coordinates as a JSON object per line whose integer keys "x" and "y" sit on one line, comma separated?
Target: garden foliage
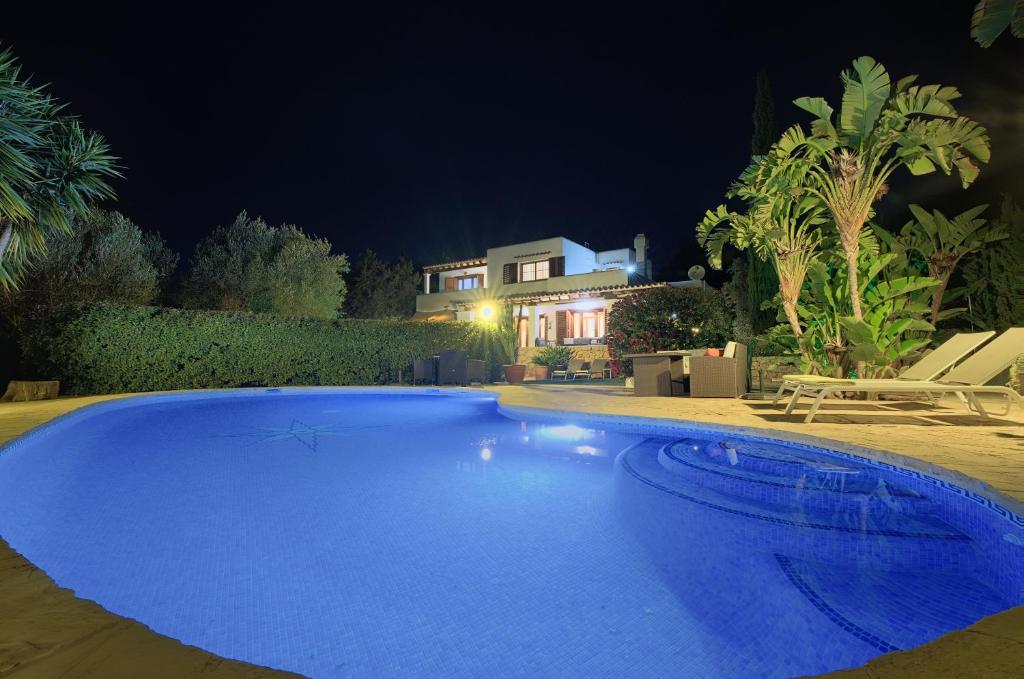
{"x": 252, "y": 266}
{"x": 106, "y": 348}
{"x": 660, "y": 319}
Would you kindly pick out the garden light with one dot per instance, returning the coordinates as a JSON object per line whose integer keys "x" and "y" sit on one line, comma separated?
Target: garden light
{"x": 487, "y": 312}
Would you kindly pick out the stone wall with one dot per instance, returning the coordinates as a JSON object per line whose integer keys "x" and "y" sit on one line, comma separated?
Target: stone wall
{"x": 586, "y": 352}
{"x": 766, "y": 371}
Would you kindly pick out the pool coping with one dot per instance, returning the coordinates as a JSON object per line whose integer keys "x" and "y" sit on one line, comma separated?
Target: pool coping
{"x": 919, "y": 657}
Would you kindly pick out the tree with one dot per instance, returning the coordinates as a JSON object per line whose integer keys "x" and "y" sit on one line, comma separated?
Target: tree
{"x": 765, "y": 129}
{"x": 992, "y": 17}
{"x": 382, "y": 290}
{"x": 252, "y": 266}
{"x": 942, "y": 243}
{"x": 995, "y": 275}
{"x": 50, "y": 170}
{"x": 780, "y": 225}
{"x": 880, "y": 128}
{"x": 105, "y": 258}
{"x": 761, "y": 281}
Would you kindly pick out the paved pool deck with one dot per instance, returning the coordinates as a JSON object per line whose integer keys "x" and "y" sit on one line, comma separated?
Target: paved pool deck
{"x": 45, "y": 631}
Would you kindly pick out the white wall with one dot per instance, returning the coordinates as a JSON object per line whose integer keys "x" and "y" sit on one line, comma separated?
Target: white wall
{"x": 497, "y": 258}
{"x": 623, "y": 257}
{"x": 578, "y": 259}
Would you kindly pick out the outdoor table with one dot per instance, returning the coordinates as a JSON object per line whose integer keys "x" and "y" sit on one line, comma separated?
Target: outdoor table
{"x": 658, "y": 374}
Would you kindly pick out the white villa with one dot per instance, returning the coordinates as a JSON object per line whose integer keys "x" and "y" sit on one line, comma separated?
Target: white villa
{"x": 562, "y": 289}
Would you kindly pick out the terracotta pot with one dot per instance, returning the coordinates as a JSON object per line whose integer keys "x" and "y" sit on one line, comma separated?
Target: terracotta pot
{"x": 514, "y": 374}
{"x": 538, "y": 372}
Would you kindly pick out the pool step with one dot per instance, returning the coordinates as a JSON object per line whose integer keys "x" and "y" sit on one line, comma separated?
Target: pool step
{"x": 706, "y": 518}
{"x": 781, "y": 478}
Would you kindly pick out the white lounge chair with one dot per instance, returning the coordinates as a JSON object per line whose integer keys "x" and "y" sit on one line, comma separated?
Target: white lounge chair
{"x": 575, "y": 366}
{"x": 927, "y": 368}
{"x": 967, "y": 380}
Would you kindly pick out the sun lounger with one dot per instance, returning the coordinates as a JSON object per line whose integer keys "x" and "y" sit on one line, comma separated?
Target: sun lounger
{"x": 575, "y": 366}
{"x": 927, "y": 368}
{"x": 599, "y": 369}
{"x": 967, "y": 380}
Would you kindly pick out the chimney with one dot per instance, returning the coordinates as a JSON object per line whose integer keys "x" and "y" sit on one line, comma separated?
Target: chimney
{"x": 643, "y": 263}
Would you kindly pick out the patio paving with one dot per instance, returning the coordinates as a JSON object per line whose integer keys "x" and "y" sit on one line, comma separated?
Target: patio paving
{"x": 45, "y": 631}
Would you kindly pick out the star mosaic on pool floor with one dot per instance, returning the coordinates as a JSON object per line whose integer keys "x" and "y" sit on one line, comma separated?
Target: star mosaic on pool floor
{"x": 307, "y": 435}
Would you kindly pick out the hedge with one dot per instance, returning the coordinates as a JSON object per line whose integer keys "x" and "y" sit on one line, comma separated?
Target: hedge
{"x": 106, "y": 348}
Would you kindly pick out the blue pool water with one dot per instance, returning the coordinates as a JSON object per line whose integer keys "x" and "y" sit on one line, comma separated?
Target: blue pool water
{"x": 408, "y": 534}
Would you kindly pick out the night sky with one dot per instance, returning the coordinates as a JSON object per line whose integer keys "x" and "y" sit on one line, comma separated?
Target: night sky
{"x": 431, "y": 130}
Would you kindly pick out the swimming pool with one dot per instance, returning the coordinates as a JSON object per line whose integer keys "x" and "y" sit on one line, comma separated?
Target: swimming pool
{"x": 342, "y": 533}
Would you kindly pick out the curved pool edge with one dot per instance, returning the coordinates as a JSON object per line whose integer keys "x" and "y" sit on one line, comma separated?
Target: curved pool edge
{"x": 56, "y": 632}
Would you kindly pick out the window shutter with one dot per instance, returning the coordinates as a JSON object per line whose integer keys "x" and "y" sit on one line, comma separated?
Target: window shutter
{"x": 479, "y": 280}
{"x": 556, "y": 266}
{"x": 508, "y": 273}
{"x": 450, "y": 283}
{"x": 561, "y": 325}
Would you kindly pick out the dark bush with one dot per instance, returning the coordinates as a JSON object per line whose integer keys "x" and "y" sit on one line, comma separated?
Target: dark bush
{"x": 106, "y": 348}
{"x": 667, "y": 318}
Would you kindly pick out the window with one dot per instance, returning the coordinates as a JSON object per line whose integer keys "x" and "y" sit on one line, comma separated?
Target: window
{"x": 534, "y": 271}
{"x": 470, "y": 282}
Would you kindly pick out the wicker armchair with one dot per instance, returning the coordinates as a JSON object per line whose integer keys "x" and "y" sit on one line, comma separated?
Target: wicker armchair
{"x": 720, "y": 376}
{"x": 454, "y": 367}
{"x": 423, "y": 371}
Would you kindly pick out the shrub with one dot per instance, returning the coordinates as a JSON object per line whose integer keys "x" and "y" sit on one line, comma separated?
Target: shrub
{"x": 552, "y": 356}
{"x": 107, "y": 348}
{"x": 666, "y": 318}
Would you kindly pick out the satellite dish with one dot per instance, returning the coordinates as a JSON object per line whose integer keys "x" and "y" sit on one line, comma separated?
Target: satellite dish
{"x": 696, "y": 272}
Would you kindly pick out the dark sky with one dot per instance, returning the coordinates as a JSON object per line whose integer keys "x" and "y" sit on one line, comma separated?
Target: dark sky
{"x": 428, "y": 129}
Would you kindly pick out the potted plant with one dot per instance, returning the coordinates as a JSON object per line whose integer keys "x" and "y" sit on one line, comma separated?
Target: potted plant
{"x": 549, "y": 358}
{"x": 508, "y": 336}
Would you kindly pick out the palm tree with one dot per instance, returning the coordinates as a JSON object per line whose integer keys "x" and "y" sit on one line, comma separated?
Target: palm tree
{"x": 881, "y": 128}
{"x": 780, "y": 225}
{"x": 992, "y": 17}
{"x": 50, "y": 170}
{"x": 943, "y": 242}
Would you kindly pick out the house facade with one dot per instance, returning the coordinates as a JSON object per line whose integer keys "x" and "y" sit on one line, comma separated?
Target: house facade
{"x": 561, "y": 289}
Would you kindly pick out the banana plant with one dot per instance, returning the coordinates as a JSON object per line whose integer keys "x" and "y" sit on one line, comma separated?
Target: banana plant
{"x": 847, "y": 161}
{"x": 942, "y": 243}
{"x": 891, "y": 329}
{"x": 780, "y": 224}
{"x": 893, "y": 311}
{"x": 992, "y": 17}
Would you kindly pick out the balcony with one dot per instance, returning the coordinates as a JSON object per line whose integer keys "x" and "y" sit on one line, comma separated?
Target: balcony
{"x": 591, "y": 281}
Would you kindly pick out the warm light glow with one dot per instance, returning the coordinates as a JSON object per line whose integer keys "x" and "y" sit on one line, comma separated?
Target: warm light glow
{"x": 588, "y": 305}
{"x": 695, "y": 330}
{"x": 486, "y": 311}
{"x": 485, "y": 454}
